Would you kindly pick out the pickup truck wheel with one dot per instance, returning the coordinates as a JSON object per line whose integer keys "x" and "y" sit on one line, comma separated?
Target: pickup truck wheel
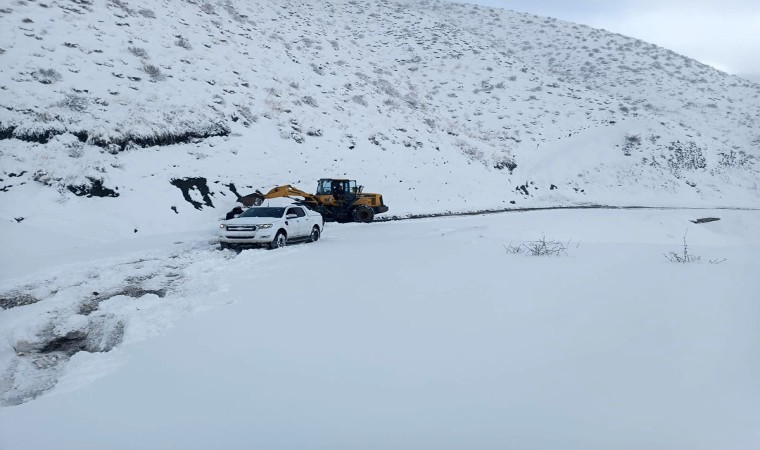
{"x": 279, "y": 240}
{"x": 314, "y": 236}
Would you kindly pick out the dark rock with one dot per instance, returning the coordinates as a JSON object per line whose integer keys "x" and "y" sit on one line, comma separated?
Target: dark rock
{"x": 509, "y": 165}
{"x": 705, "y": 220}
{"x": 95, "y": 189}
{"x": 233, "y": 189}
{"x": 81, "y": 135}
{"x": 199, "y": 183}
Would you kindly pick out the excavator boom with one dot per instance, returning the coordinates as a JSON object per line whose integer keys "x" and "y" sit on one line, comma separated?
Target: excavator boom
{"x": 288, "y": 191}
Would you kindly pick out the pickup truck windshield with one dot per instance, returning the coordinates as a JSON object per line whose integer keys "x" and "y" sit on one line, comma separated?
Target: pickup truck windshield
{"x": 263, "y": 212}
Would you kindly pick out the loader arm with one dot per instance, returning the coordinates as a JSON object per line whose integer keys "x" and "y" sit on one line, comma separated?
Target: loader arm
{"x": 287, "y": 190}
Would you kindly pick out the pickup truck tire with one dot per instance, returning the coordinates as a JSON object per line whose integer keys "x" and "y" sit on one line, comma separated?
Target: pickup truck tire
{"x": 314, "y": 236}
{"x": 363, "y": 214}
{"x": 280, "y": 239}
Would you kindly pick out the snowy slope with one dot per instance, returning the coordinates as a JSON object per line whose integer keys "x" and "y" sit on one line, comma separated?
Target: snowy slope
{"x": 437, "y": 106}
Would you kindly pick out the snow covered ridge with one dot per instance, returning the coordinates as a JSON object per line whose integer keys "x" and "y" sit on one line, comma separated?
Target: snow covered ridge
{"x": 414, "y": 99}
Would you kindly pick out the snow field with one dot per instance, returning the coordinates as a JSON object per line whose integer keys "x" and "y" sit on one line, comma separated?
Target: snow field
{"x": 427, "y": 334}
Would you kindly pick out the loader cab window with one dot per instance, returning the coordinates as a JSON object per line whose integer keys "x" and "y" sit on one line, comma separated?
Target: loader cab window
{"x": 324, "y": 187}
{"x": 337, "y": 188}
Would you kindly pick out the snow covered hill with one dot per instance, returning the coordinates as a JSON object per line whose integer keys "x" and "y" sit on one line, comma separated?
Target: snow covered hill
{"x": 438, "y": 106}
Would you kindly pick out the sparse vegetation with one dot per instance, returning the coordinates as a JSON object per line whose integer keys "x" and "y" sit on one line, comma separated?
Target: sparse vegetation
{"x": 154, "y": 72}
{"x": 540, "y": 247}
{"x": 505, "y": 162}
{"x": 685, "y": 257}
{"x": 632, "y": 142}
{"x": 734, "y": 159}
{"x": 145, "y": 12}
{"x": 47, "y": 76}
{"x": 309, "y": 101}
{"x": 183, "y": 42}
{"x": 208, "y": 8}
{"x": 685, "y": 156}
{"x": 139, "y": 52}
{"x": 74, "y": 102}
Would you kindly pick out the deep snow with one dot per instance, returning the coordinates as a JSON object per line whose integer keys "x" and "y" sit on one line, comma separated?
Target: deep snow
{"x": 427, "y": 334}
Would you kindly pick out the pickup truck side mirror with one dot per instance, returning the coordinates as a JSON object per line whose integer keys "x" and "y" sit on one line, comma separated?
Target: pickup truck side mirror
{"x": 291, "y": 216}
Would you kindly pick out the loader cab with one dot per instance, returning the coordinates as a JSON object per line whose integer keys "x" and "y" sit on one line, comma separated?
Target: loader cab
{"x": 338, "y": 188}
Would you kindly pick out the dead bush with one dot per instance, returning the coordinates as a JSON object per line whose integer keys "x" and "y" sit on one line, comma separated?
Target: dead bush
{"x": 540, "y": 247}
{"x": 139, "y": 52}
{"x": 46, "y": 76}
{"x": 74, "y": 102}
{"x": 154, "y": 72}
{"x": 684, "y": 257}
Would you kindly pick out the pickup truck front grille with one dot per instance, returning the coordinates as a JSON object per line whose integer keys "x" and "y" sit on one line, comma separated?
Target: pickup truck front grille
{"x": 241, "y": 227}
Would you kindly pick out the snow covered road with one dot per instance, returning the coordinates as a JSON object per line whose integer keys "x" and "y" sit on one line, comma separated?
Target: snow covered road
{"x": 428, "y": 334}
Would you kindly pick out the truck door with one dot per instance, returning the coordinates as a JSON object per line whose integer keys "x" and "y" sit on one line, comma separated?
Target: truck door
{"x": 297, "y": 226}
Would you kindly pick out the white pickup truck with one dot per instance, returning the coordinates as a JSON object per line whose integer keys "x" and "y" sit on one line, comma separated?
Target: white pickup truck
{"x": 271, "y": 226}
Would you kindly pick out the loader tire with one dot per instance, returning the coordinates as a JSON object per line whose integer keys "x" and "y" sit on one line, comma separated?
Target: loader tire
{"x": 363, "y": 214}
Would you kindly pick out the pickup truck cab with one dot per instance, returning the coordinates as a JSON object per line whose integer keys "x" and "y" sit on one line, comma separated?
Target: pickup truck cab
{"x": 273, "y": 227}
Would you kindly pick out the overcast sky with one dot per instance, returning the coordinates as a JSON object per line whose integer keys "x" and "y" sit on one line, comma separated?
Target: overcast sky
{"x": 724, "y": 34}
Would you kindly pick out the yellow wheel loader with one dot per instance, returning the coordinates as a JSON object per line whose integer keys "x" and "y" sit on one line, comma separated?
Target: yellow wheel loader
{"x": 338, "y": 200}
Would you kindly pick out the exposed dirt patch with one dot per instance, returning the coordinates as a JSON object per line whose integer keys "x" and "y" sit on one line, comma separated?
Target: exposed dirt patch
{"x": 6, "y": 132}
{"x": 39, "y": 362}
{"x": 70, "y": 344}
{"x": 13, "y": 300}
{"x": 90, "y": 305}
{"x": 194, "y": 183}
{"x": 120, "y": 143}
{"x": 95, "y": 189}
{"x": 545, "y": 208}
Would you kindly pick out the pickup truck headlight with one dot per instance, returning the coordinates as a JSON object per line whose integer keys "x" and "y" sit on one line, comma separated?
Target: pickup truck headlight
{"x": 266, "y": 225}
{"x": 222, "y": 226}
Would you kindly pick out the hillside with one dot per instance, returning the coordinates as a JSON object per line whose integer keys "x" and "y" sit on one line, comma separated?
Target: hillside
{"x": 438, "y": 106}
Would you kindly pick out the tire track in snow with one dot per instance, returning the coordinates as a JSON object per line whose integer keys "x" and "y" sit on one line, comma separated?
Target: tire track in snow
{"x": 483, "y": 212}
